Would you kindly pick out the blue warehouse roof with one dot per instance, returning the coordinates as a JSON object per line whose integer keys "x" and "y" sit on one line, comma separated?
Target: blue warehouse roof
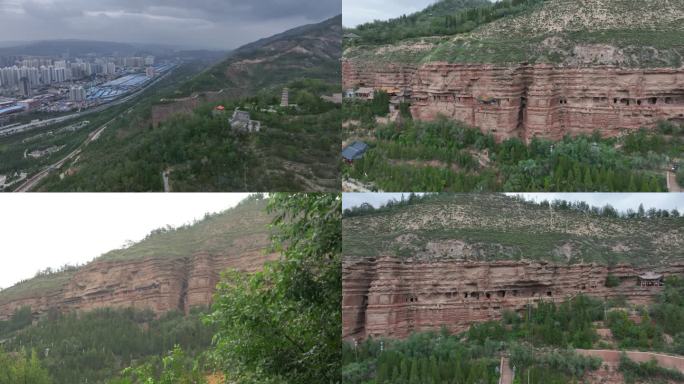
{"x": 355, "y": 150}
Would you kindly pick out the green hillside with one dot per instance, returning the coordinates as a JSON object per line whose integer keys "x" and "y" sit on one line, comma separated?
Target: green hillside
{"x": 584, "y": 32}
{"x": 497, "y": 227}
{"x": 307, "y": 52}
{"x": 216, "y": 234}
{"x": 172, "y": 131}
{"x": 222, "y": 233}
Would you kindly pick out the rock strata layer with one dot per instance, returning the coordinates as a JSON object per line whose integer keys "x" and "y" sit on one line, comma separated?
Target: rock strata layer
{"x": 155, "y": 283}
{"x": 525, "y": 101}
{"x": 393, "y": 297}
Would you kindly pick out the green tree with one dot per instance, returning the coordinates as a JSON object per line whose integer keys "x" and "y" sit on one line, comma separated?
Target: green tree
{"x": 284, "y": 322}
{"x": 176, "y": 369}
{"x": 22, "y": 368}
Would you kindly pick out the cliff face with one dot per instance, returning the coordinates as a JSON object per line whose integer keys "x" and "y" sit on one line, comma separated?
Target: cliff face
{"x": 524, "y": 101}
{"x": 158, "y": 284}
{"x": 391, "y": 297}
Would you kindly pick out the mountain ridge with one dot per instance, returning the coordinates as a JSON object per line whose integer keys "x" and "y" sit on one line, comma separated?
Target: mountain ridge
{"x": 309, "y": 51}
{"x": 633, "y": 34}
{"x": 497, "y": 227}
{"x": 159, "y": 272}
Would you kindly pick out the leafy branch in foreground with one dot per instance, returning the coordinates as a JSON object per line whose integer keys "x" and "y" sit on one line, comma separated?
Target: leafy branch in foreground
{"x": 282, "y": 324}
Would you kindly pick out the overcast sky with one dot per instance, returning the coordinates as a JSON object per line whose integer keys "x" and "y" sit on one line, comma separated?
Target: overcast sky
{"x": 355, "y": 12}
{"x": 49, "y": 230}
{"x": 621, "y": 201}
{"x": 219, "y": 24}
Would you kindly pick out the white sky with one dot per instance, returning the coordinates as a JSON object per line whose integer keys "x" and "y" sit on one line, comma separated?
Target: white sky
{"x": 355, "y": 12}
{"x": 40, "y": 230}
{"x": 620, "y": 201}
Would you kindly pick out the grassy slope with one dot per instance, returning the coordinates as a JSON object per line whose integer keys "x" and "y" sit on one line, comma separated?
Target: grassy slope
{"x": 214, "y": 234}
{"x": 310, "y": 51}
{"x": 496, "y": 227}
{"x": 238, "y": 229}
{"x": 644, "y": 33}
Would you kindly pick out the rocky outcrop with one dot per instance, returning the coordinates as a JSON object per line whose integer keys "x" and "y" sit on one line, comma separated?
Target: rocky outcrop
{"x": 525, "y": 101}
{"x": 155, "y": 283}
{"x": 393, "y": 297}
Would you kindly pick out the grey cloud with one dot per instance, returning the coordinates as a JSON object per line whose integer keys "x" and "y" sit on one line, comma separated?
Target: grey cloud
{"x": 199, "y": 23}
{"x": 215, "y": 10}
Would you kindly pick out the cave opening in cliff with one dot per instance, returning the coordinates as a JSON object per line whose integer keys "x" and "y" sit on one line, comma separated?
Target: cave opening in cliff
{"x": 653, "y": 100}
{"x": 668, "y": 100}
{"x": 502, "y": 293}
{"x": 489, "y": 296}
{"x": 638, "y": 102}
{"x": 548, "y": 293}
{"x": 521, "y": 111}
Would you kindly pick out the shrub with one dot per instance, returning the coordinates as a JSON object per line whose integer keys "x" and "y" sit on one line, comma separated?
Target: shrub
{"x": 612, "y": 281}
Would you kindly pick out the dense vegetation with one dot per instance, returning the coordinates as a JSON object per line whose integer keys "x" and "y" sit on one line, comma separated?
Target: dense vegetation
{"x": 473, "y": 357}
{"x": 648, "y": 372}
{"x": 22, "y": 367}
{"x": 176, "y": 368}
{"x": 282, "y": 325}
{"x": 449, "y": 156}
{"x": 442, "y": 18}
{"x": 21, "y": 318}
{"x": 422, "y": 358}
{"x": 531, "y": 31}
{"x": 201, "y": 152}
{"x": 97, "y": 345}
{"x": 568, "y": 324}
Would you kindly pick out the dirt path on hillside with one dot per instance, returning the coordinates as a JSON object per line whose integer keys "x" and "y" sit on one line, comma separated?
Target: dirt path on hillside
{"x": 507, "y": 374}
{"x": 672, "y": 185}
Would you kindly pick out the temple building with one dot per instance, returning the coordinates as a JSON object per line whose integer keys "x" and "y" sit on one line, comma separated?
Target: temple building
{"x": 651, "y": 279}
{"x": 285, "y": 98}
{"x": 241, "y": 122}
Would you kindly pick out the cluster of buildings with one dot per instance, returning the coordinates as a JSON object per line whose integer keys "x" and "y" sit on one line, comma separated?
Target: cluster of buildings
{"x": 54, "y": 85}
{"x": 31, "y": 73}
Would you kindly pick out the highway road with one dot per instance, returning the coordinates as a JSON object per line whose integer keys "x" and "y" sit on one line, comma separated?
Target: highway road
{"x": 33, "y": 181}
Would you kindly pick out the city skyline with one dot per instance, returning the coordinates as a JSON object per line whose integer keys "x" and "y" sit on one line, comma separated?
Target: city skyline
{"x": 204, "y": 24}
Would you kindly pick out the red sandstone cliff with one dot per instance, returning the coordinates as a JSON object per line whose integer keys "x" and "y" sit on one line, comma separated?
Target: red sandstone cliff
{"x": 158, "y": 284}
{"x": 532, "y": 100}
{"x": 393, "y": 297}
